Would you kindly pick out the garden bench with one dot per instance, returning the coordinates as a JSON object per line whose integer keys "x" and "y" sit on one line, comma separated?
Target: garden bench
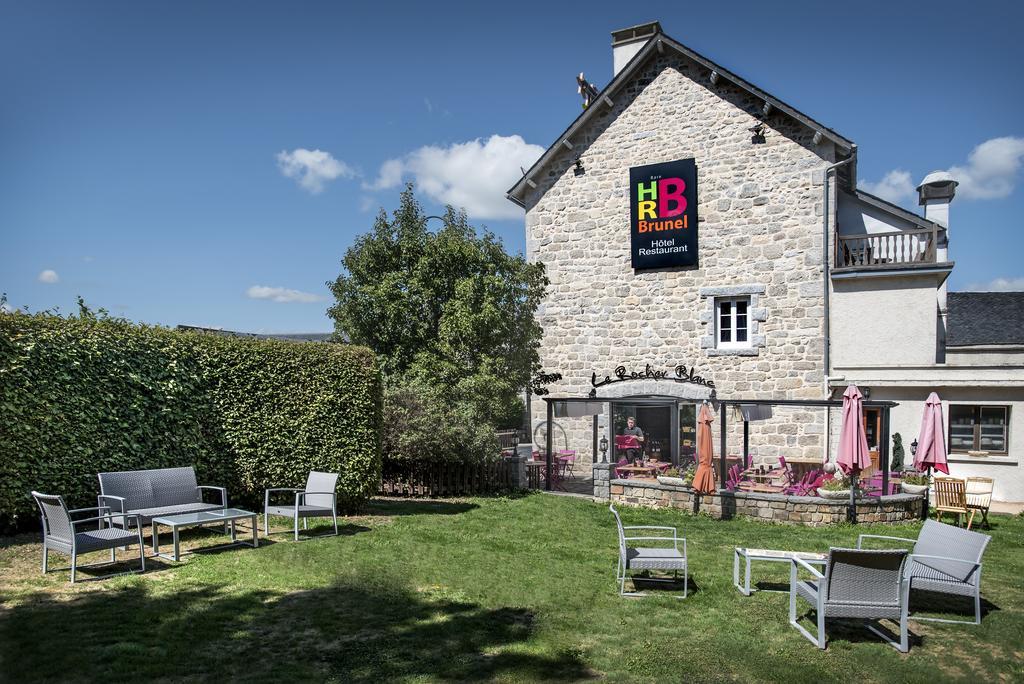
{"x": 149, "y": 494}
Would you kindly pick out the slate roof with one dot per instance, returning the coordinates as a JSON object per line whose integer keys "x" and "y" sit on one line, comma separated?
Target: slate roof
{"x": 984, "y": 318}
{"x": 654, "y": 46}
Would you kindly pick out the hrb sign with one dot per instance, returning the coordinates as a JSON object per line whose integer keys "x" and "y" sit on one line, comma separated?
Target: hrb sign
{"x": 663, "y": 214}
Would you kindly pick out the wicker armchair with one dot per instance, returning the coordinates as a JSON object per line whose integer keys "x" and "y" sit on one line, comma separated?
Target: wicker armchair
{"x": 635, "y": 558}
{"x": 60, "y": 533}
{"x": 868, "y": 585}
{"x": 946, "y": 560}
{"x": 317, "y": 500}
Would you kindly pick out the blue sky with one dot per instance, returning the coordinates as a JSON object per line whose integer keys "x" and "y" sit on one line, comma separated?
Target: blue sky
{"x": 140, "y": 143}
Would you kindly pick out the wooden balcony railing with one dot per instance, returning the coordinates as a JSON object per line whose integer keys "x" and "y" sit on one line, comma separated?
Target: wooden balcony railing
{"x": 887, "y": 250}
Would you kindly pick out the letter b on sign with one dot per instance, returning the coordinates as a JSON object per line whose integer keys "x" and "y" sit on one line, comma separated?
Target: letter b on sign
{"x": 671, "y": 201}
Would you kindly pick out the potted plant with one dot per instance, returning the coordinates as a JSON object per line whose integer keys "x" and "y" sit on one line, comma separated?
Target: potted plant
{"x": 914, "y": 483}
{"x": 671, "y": 477}
{"x": 689, "y": 474}
{"x": 835, "y": 488}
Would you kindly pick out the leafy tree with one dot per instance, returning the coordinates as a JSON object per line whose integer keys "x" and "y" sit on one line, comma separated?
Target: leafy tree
{"x": 452, "y": 309}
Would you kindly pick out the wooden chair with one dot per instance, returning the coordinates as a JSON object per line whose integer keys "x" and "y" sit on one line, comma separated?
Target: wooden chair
{"x": 951, "y": 497}
{"x": 979, "y": 495}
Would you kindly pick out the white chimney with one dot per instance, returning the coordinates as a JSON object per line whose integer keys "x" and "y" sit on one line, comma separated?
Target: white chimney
{"x": 629, "y": 41}
{"x": 935, "y": 193}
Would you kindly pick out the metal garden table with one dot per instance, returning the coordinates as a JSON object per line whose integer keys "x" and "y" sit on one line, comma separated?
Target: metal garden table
{"x": 771, "y": 556}
{"x": 223, "y": 516}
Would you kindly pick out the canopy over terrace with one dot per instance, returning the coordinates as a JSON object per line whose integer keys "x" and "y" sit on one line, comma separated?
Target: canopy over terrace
{"x": 595, "y": 406}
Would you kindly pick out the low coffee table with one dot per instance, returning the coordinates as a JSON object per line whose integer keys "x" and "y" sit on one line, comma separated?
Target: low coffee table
{"x": 215, "y": 517}
{"x": 771, "y": 556}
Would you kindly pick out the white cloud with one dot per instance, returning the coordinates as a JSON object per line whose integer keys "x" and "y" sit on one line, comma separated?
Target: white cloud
{"x": 282, "y": 294}
{"x": 999, "y": 285}
{"x": 990, "y": 173}
{"x": 6, "y": 308}
{"x": 895, "y": 186}
{"x": 390, "y": 176}
{"x": 312, "y": 168}
{"x": 473, "y": 175}
{"x": 991, "y": 169}
{"x": 49, "y": 276}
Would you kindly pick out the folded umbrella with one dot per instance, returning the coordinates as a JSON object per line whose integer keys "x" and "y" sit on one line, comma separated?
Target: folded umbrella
{"x": 704, "y": 478}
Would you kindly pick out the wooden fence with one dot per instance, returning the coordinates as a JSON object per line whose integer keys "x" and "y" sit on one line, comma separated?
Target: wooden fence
{"x": 446, "y": 479}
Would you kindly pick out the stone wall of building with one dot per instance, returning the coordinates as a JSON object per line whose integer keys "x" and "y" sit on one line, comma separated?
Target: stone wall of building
{"x": 792, "y": 510}
{"x": 760, "y": 230}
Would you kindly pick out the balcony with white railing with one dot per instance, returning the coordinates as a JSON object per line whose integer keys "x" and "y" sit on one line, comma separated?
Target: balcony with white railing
{"x": 899, "y": 249}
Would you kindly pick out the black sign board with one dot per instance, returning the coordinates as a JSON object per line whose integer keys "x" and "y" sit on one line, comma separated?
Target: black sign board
{"x": 663, "y": 214}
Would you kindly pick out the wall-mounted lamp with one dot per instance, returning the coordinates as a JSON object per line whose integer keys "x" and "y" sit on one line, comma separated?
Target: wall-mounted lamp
{"x": 604, "y": 449}
{"x": 758, "y": 134}
{"x": 865, "y": 392}
{"x": 579, "y": 170}
{"x": 913, "y": 447}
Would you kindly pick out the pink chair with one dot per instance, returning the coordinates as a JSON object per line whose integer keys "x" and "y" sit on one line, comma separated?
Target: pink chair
{"x": 619, "y": 475}
{"x": 568, "y": 456}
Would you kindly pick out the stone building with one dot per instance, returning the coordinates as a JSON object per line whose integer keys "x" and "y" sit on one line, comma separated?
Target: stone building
{"x": 765, "y": 273}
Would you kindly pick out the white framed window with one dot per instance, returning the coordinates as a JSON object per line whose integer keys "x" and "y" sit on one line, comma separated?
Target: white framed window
{"x": 732, "y": 322}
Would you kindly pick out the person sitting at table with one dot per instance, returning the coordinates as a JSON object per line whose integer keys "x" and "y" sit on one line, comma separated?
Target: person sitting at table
{"x": 633, "y": 430}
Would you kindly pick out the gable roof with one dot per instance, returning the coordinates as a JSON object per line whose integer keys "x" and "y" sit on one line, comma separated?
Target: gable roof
{"x": 984, "y": 318}
{"x": 658, "y": 43}
{"x": 895, "y": 210}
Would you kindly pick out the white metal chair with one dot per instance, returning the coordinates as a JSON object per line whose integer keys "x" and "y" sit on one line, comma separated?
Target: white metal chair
{"x": 317, "y": 500}
{"x": 60, "y": 533}
{"x": 638, "y": 558}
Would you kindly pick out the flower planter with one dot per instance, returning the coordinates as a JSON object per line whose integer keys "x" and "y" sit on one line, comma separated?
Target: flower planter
{"x": 913, "y": 488}
{"x": 675, "y": 481}
{"x": 834, "y": 493}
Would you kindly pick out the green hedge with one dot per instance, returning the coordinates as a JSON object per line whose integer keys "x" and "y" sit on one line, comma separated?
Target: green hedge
{"x": 84, "y": 395}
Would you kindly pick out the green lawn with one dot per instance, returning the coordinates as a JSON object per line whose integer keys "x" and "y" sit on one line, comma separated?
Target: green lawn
{"x": 477, "y": 589}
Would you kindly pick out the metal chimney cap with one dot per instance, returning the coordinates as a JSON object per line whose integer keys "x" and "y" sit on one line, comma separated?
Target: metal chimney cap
{"x": 938, "y": 177}
{"x": 632, "y": 34}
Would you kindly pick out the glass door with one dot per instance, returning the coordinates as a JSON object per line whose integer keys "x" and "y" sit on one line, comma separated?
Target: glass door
{"x": 687, "y": 435}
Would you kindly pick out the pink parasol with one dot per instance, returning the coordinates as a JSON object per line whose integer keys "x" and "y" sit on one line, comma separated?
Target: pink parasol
{"x": 853, "y": 454}
{"x": 931, "y": 449}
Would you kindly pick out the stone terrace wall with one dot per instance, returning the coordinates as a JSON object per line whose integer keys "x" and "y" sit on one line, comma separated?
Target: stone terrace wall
{"x": 760, "y": 233}
{"x": 792, "y": 510}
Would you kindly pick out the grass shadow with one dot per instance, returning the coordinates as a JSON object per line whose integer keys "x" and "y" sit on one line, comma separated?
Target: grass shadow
{"x": 350, "y": 631}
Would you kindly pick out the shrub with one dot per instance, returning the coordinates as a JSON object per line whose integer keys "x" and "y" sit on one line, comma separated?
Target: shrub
{"x": 420, "y": 426}
{"x": 896, "y": 463}
{"x": 913, "y": 478}
{"x": 84, "y": 395}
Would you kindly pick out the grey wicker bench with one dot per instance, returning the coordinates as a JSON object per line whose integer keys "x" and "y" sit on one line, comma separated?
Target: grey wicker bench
{"x": 149, "y": 494}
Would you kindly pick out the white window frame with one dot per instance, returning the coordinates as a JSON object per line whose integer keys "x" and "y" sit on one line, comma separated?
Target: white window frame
{"x": 731, "y": 344}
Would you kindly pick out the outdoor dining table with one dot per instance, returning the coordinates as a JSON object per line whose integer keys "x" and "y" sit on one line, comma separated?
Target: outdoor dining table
{"x": 636, "y": 471}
